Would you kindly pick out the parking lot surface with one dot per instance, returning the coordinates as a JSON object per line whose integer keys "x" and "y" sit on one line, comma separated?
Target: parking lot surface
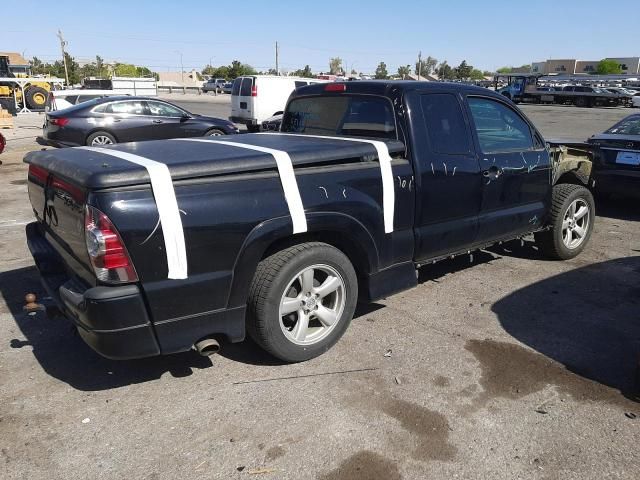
{"x": 507, "y": 366}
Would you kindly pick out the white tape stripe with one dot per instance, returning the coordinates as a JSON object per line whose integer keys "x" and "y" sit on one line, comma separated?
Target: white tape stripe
{"x": 287, "y": 179}
{"x": 165, "y": 197}
{"x": 384, "y": 159}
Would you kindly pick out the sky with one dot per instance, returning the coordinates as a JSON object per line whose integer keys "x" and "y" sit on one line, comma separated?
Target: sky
{"x": 162, "y": 34}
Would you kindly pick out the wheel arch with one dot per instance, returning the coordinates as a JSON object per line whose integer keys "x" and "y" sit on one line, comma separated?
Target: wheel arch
{"x": 336, "y": 229}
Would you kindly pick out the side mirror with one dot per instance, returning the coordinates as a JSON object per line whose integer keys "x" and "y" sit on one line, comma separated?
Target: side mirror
{"x": 185, "y": 116}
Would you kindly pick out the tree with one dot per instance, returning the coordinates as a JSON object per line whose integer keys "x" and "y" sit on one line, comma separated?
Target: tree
{"x": 404, "y": 71}
{"x": 445, "y": 72}
{"x": 335, "y": 66}
{"x": 608, "y": 67}
{"x": 125, "y": 70}
{"x": 381, "y": 71}
{"x": 463, "y": 71}
{"x": 304, "y": 72}
{"x": 476, "y": 74}
{"x": 427, "y": 66}
{"x": 238, "y": 69}
{"x": 504, "y": 70}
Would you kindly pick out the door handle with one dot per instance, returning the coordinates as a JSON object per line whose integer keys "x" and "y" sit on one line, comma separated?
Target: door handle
{"x": 492, "y": 172}
{"x": 157, "y": 121}
{"x": 116, "y": 120}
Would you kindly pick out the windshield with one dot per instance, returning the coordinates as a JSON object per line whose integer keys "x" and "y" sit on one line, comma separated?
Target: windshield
{"x": 628, "y": 126}
{"x": 345, "y": 115}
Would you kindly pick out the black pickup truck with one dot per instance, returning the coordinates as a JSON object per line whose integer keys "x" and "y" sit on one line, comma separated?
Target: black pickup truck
{"x": 159, "y": 247}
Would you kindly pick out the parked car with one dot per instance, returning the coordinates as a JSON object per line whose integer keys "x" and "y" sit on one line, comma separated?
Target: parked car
{"x": 213, "y": 85}
{"x": 111, "y": 120}
{"x": 636, "y": 100}
{"x": 282, "y": 233}
{"x": 61, "y": 99}
{"x": 227, "y": 87}
{"x": 258, "y": 97}
{"x": 3, "y": 143}
{"x": 272, "y": 123}
{"x": 616, "y": 165}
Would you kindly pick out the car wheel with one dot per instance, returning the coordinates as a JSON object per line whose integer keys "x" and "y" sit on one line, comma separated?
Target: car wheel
{"x": 98, "y": 139}
{"x": 571, "y": 222}
{"x": 301, "y": 301}
{"x": 214, "y": 132}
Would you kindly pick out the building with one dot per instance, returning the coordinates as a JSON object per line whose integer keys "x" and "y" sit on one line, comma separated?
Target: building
{"x": 18, "y": 65}
{"x": 571, "y": 66}
{"x": 179, "y": 79}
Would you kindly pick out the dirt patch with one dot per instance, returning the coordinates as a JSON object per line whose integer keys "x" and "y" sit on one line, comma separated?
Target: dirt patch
{"x": 441, "y": 381}
{"x": 19, "y": 182}
{"x": 274, "y": 453}
{"x": 512, "y": 371}
{"x": 364, "y": 465}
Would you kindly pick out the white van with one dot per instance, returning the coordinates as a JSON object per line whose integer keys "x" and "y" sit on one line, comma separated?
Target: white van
{"x": 256, "y": 98}
{"x": 61, "y": 99}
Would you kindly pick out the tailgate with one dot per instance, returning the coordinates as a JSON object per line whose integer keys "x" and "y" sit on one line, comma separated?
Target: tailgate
{"x": 59, "y": 209}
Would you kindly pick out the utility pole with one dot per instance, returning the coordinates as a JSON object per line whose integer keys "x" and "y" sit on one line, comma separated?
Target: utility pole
{"x": 419, "y": 64}
{"x": 64, "y": 57}
{"x": 277, "y": 68}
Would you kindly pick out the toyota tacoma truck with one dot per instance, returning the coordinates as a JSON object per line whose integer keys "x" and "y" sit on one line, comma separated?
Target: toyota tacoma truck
{"x": 152, "y": 248}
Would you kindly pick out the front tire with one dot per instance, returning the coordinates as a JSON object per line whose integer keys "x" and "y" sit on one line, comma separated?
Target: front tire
{"x": 571, "y": 222}
{"x": 301, "y": 301}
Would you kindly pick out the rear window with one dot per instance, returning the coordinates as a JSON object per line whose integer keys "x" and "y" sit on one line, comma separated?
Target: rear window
{"x": 345, "y": 115}
{"x": 245, "y": 87}
{"x": 235, "y": 89}
{"x": 628, "y": 126}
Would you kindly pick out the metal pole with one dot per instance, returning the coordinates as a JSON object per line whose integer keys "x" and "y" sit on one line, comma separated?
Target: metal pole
{"x": 64, "y": 57}
{"x": 277, "y": 68}
{"x": 419, "y": 64}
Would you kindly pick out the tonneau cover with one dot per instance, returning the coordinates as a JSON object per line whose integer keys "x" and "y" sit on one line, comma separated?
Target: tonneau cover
{"x": 188, "y": 159}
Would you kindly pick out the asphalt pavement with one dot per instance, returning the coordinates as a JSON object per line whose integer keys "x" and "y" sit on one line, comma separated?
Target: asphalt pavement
{"x": 504, "y": 366}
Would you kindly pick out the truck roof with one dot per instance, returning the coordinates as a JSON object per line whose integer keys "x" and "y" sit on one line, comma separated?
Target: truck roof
{"x": 394, "y": 88}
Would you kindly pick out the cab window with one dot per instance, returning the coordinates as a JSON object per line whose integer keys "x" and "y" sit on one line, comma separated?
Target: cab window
{"x": 499, "y": 128}
{"x": 446, "y": 128}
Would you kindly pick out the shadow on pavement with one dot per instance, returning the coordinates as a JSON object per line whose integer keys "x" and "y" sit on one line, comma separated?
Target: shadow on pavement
{"x": 62, "y": 353}
{"x": 587, "y": 319}
{"x": 620, "y": 208}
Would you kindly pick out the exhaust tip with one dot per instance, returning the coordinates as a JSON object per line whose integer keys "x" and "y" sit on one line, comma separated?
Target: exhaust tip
{"x": 207, "y": 347}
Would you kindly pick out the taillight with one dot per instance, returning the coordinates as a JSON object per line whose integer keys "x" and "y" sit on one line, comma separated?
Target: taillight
{"x": 254, "y": 90}
{"x": 109, "y": 257}
{"x": 38, "y": 175}
{"x": 335, "y": 87}
{"x": 60, "y": 122}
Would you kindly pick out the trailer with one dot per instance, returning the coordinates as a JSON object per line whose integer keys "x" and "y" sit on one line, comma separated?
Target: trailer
{"x": 528, "y": 88}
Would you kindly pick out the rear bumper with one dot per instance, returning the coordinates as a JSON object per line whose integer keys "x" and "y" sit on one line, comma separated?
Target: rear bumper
{"x": 621, "y": 182}
{"x": 111, "y": 320}
{"x": 54, "y": 143}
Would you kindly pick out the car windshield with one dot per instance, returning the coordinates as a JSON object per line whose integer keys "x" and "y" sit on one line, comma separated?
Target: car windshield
{"x": 628, "y": 126}
{"x": 346, "y": 115}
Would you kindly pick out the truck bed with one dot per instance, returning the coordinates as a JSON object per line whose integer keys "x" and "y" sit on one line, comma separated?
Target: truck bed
{"x": 187, "y": 159}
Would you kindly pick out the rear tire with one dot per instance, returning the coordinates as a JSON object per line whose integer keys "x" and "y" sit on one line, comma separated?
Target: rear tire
{"x": 99, "y": 139}
{"x": 253, "y": 128}
{"x": 301, "y": 301}
{"x": 571, "y": 222}
{"x": 214, "y": 132}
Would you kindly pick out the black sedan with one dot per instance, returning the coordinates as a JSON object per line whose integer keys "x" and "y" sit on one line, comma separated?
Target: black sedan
{"x": 111, "y": 120}
{"x": 616, "y": 167}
